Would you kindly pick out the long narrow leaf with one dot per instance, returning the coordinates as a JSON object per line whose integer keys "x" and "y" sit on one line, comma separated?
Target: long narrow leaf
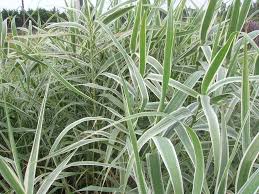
{"x": 215, "y": 64}
{"x": 208, "y": 19}
{"x": 199, "y": 163}
{"x": 48, "y": 181}
{"x": 32, "y": 163}
{"x": 134, "y": 35}
{"x": 10, "y": 177}
{"x": 142, "y": 45}
{"x": 251, "y": 185}
{"x": 13, "y": 145}
{"x": 245, "y": 102}
{"x": 168, "y": 154}
{"x": 155, "y": 172}
{"x": 247, "y": 162}
{"x": 213, "y": 129}
{"x": 169, "y": 44}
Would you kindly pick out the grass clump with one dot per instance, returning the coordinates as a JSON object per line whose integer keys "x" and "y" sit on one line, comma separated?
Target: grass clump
{"x": 136, "y": 98}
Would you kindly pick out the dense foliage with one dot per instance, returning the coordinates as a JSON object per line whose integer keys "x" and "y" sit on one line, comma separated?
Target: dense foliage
{"x": 42, "y": 15}
{"x": 140, "y": 98}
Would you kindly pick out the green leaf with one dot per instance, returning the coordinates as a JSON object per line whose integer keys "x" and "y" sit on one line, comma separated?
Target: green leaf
{"x": 175, "y": 84}
{"x": 134, "y": 35}
{"x": 168, "y": 54}
{"x": 163, "y": 125}
{"x": 49, "y": 180}
{"x": 71, "y": 126}
{"x": 235, "y": 8}
{"x": 101, "y": 189}
{"x": 116, "y": 14}
{"x": 251, "y": 185}
{"x": 213, "y": 129}
{"x": 154, "y": 168}
{"x": 246, "y": 164}
{"x": 224, "y": 156}
{"x": 243, "y": 13}
{"x": 199, "y": 163}
{"x": 208, "y": 20}
{"x": 10, "y": 177}
{"x": 181, "y": 95}
{"x": 32, "y": 163}
{"x": 158, "y": 128}
{"x": 142, "y": 45}
{"x": 245, "y": 102}
{"x": 127, "y": 104}
{"x": 215, "y": 65}
{"x": 13, "y": 145}
{"x": 169, "y": 157}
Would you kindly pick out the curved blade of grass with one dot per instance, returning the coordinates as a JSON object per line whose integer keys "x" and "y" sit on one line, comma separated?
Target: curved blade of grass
{"x": 113, "y": 124}
{"x": 74, "y": 146}
{"x": 32, "y": 163}
{"x": 93, "y": 163}
{"x": 247, "y": 162}
{"x": 71, "y": 25}
{"x": 163, "y": 125}
{"x": 224, "y": 155}
{"x": 251, "y": 185}
{"x": 185, "y": 139}
{"x": 154, "y": 168}
{"x": 71, "y": 126}
{"x": 117, "y": 6}
{"x": 179, "y": 98}
{"x": 243, "y": 13}
{"x": 235, "y": 9}
{"x": 199, "y": 163}
{"x": 230, "y": 80}
{"x": 134, "y": 35}
{"x": 142, "y": 45}
{"x": 234, "y": 17}
{"x": 213, "y": 129}
{"x": 232, "y": 155}
{"x": 245, "y": 102}
{"x": 175, "y": 84}
{"x": 250, "y": 37}
{"x": 154, "y": 63}
{"x": 116, "y": 14}
{"x": 169, "y": 157}
{"x": 101, "y": 189}
{"x": 169, "y": 44}
{"x": 49, "y": 180}
{"x": 215, "y": 64}
{"x": 13, "y": 145}
{"x": 10, "y": 177}
{"x": 207, "y": 20}
{"x": 134, "y": 142}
